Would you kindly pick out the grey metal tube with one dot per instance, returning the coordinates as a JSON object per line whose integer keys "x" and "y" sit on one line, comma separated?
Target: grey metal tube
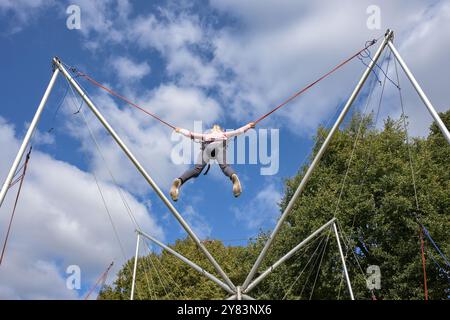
{"x": 144, "y": 173}
{"x": 344, "y": 265}
{"x": 317, "y": 158}
{"x": 422, "y": 94}
{"x": 255, "y": 282}
{"x": 28, "y": 136}
{"x": 188, "y": 262}
{"x": 133, "y": 283}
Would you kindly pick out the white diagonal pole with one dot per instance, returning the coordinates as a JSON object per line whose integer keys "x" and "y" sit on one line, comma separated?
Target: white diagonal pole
{"x": 143, "y": 172}
{"x": 421, "y": 93}
{"x": 317, "y": 158}
{"x": 187, "y": 261}
{"x": 263, "y": 275}
{"x": 133, "y": 283}
{"x": 28, "y": 135}
{"x": 347, "y": 278}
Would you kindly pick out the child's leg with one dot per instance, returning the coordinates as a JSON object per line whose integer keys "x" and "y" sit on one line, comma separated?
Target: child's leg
{"x": 227, "y": 170}
{"x": 230, "y": 173}
{"x": 222, "y": 160}
{"x": 195, "y": 171}
{"x": 192, "y": 173}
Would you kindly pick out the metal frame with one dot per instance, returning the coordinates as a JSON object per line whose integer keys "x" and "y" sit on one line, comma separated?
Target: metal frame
{"x": 240, "y": 294}
{"x": 133, "y": 283}
{"x": 237, "y": 292}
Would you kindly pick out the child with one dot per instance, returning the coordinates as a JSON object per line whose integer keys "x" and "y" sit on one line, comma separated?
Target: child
{"x": 213, "y": 148}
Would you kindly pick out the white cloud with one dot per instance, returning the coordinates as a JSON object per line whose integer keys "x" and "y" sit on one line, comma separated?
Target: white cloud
{"x": 23, "y": 12}
{"x": 21, "y": 7}
{"x": 61, "y": 221}
{"x": 128, "y": 70}
{"x": 180, "y": 39}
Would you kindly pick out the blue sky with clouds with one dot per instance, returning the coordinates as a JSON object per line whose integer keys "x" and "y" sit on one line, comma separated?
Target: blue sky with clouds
{"x": 224, "y": 62}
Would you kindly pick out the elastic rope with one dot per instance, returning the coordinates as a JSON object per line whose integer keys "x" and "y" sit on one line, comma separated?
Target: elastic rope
{"x": 371, "y": 43}
{"x": 127, "y": 101}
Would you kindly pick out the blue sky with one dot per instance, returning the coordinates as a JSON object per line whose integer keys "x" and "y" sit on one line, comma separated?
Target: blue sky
{"x": 224, "y": 62}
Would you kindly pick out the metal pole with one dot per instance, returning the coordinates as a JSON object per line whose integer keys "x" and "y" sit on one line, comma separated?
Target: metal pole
{"x": 255, "y": 282}
{"x": 143, "y": 172}
{"x": 133, "y": 283}
{"x": 316, "y": 160}
{"x": 233, "y": 297}
{"x": 188, "y": 262}
{"x": 347, "y": 278}
{"x": 246, "y": 297}
{"x": 239, "y": 293}
{"x": 419, "y": 90}
{"x": 28, "y": 136}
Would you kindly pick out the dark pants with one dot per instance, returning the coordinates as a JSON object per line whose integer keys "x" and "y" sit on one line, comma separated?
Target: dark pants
{"x": 201, "y": 164}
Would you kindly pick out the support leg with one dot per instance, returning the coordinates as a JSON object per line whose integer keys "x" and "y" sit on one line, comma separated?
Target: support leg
{"x": 133, "y": 283}
{"x": 28, "y": 136}
{"x": 347, "y": 278}
{"x": 422, "y": 94}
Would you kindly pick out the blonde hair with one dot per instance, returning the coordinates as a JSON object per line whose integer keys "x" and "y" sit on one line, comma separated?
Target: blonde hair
{"x": 217, "y": 128}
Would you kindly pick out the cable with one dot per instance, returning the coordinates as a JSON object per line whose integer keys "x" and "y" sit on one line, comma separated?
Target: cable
{"x": 98, "y": 185}
{"x": 15, "y": 204}
{"x": 320, "y": 264}
{"x": 354, "y": 149}
{"x": 168, "y": 274}
{"x": 413, "y": 176}
{"x": 97, "y": 146}
{"x": 304, "y": 268}
{"x": 59, "y": 106}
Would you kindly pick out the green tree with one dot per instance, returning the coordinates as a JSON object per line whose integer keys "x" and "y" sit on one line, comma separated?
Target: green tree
{"x": 365, "y": 180}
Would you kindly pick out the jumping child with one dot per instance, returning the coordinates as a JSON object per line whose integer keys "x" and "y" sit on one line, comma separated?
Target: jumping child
{"x": 213, "y": 147}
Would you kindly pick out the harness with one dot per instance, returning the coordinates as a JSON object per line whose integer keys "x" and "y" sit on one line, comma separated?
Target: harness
{"x": 204, "y": 145}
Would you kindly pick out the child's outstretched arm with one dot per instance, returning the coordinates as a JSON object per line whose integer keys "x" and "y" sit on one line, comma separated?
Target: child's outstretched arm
{"x": 239, "y": 131}
{"x": 189, "y": 134}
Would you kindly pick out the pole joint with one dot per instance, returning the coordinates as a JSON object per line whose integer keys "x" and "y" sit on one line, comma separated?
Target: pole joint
{"x": 389, "y": 35}
{"x": 55, "y": 62}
